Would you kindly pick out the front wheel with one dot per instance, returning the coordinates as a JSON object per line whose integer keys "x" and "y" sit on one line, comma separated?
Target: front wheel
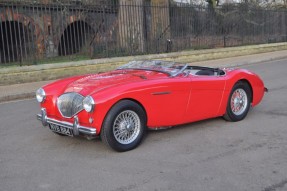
{"x": 124, "y": 126}
{"x": 238, "y": 102}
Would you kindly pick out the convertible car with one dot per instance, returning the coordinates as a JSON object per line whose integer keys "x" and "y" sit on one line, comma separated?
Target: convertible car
{"x": 120, "y": 105}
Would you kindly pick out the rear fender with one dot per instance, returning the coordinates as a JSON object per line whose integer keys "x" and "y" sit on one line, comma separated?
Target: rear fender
{"x": 253, "y": 80}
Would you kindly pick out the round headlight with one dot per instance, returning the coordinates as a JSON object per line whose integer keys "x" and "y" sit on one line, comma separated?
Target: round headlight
{"x": 40, "y": 95}
{"x": 89, "y": 104}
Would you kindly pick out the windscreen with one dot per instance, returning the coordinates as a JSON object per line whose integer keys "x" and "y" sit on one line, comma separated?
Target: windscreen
{"x": 168, "y": 67}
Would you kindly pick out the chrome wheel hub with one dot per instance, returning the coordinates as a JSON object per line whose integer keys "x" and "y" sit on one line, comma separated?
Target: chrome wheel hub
{"x": 126, "y": 127}
{"x": 239, "y": 101}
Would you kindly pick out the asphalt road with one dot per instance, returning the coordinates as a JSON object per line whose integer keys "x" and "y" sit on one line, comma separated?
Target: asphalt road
{"x": 204, "y": 156}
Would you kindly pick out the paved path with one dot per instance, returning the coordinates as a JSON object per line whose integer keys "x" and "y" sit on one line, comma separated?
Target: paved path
{"x": 27, "y": 90}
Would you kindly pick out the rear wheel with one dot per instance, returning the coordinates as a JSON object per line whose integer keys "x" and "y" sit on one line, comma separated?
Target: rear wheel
{"x": 238, "y": 102}
{"x": 124, "y": 126}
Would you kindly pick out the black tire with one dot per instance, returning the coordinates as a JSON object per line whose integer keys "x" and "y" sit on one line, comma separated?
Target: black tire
{"x": 241, "y": 88}
{"x": 115, "y": 128}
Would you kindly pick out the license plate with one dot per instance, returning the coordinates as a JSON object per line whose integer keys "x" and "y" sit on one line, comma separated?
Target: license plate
{"x": 61, "y": 130}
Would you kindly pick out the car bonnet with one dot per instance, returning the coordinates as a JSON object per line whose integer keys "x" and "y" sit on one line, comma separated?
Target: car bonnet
{"x": 96, "y": 82}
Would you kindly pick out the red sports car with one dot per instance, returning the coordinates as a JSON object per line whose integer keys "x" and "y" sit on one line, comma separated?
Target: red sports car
{"x": 120, "y": 105}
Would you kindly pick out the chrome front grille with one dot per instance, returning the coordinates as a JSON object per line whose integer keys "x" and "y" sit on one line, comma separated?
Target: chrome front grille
{"x": 69, "y": 104}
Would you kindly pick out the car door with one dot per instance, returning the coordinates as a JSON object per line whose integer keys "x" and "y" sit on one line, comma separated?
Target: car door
{"x": 205, "y": 97}
{"x": 165, "y": 101}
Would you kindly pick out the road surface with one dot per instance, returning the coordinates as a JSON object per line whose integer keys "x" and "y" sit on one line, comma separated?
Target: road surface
{"x": 211, "y": 155}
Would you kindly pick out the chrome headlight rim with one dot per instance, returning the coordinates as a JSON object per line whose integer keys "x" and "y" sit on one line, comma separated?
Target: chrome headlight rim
{"x": 89, "y": 104}
{"x": 40, "y": 95}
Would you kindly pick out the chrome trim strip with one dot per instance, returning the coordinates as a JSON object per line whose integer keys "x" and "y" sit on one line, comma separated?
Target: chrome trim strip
{"x": 75, "y": 127}
{"x": 160, "y": 93}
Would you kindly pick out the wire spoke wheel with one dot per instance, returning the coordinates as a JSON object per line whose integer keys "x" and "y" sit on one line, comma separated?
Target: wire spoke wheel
{"x": 238, "y": 101}
{"x": 126, "y": 127}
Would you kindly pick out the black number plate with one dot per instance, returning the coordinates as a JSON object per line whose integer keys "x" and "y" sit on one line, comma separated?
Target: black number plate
{"x": 60, "y": 129}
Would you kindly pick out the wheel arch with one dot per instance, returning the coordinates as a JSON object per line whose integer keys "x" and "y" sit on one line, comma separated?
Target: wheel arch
{"x": 249, "y": 84}
{"x": 137, "y": 102}
{"x": 128, "y": 99}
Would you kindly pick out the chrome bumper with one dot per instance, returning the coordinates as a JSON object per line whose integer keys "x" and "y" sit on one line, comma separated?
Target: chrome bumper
{"x": 75, "y": 127}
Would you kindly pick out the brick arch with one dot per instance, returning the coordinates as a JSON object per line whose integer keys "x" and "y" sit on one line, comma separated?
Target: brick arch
{"x": 8, "y": 16}
{"x": 74, "y": 36}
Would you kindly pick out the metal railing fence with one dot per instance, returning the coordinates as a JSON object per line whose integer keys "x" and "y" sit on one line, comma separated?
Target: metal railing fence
{"x": 56, "y": 31}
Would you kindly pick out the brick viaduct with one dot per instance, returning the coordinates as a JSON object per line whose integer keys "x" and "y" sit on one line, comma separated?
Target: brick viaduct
{"x": 49, "y": 30}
